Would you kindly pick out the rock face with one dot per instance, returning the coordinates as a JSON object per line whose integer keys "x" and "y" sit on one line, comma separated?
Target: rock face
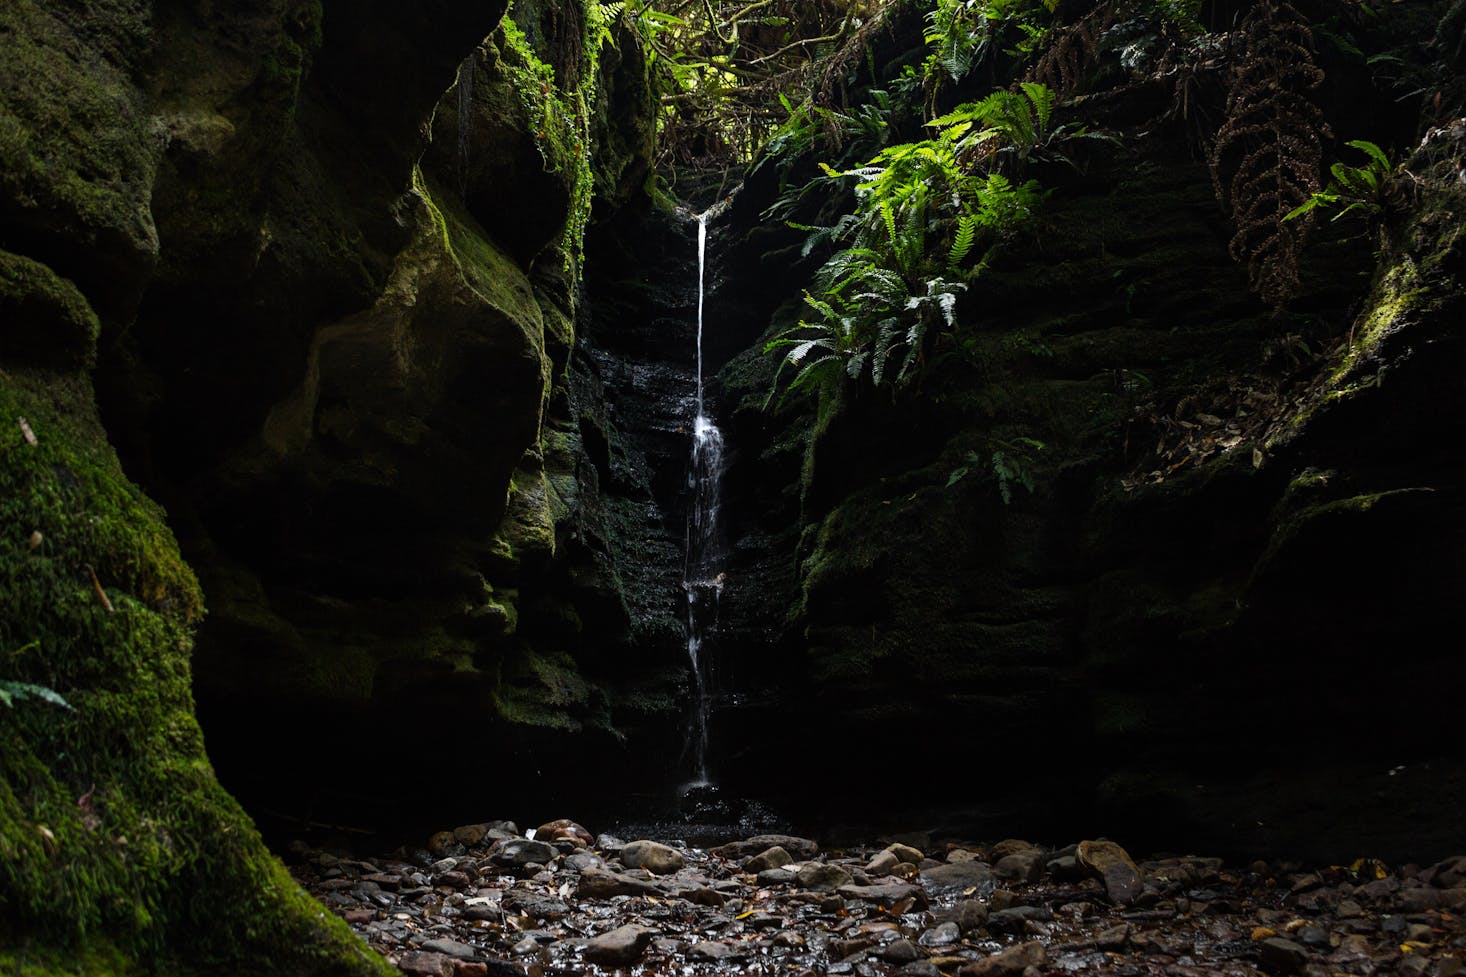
{"x": 1219, "y": 539}
{"x": 122, "y": 851}
{"x": 411, "y": 499}
{"x": 346, "y": 371}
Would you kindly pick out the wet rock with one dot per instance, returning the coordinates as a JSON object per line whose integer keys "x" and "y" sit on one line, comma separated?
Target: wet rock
{"x": 943, "y": 935}
{"x": 454, "y": 880}
{"x": 885, "y": 893}
{"x": 1418, "y": 899}
{"x": 1113, "y": 865}
{"x": 620, "y": 947}
{"x": 1065, "y": 868}
{"x": 1412, "y": 966}
{"x": 1024, "y": 866}
{"x": 470, "y": 968}
{"x": 653, "y": 856}
{"x": 519, "y": 852}
{"x": 450, "y": 948}
{"x": 383, "y": 879}
{"x": 1314, "y": 936}
{"x": 847, "y": 949}
{"x": 582, "y": 861}
{"x": 962, "y": 878}
{"x": 800, "y": 848}
{"x": 710, "y": 952}
{"x": 600, "y": 884}
{"x": 920, "y": 968}
{"x": 900, "y": 952}
{"x": 1015, "y": 919}
{"x": 535, "y": 905}
{"x": 905, "y": 853}
{"x": 422, "y": 964}
{"x": 971, "y": 915}
{"x": 1113, "y": 938}
{"x": 701, "y": 895}
{"x": 1418, "y": 933}
{"x": 563, "y": 829}
{"x": 958, "y": 855}
{"x": 445, "y": 843}
{"x": 482, "y": 909}
{"x": 822, "y": 877}
{"x": 470, "y": 834}
{"x": 1282, "y": 956}
{"x": 776, "y": 876}
{"x": 774, "y": 857}
{"x": 1011, "y": 962}
{"x": 1009, "y": 846}
{"x": 881, "y": 863}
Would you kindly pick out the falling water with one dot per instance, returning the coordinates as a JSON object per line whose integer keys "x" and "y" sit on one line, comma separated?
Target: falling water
{"x": 701, "y": 577}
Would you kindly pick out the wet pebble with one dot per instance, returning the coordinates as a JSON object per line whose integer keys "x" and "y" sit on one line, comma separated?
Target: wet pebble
{"x": 653, "y": 856}
{"x": 557, "y": 909}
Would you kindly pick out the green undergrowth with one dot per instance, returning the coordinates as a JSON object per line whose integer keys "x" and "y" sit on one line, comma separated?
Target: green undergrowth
{"x": 119, "y": 851}
{"x": 560, "y": 114}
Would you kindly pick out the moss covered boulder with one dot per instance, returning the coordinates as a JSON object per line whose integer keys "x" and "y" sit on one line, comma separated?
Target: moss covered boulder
{"x": 120, "y": 852}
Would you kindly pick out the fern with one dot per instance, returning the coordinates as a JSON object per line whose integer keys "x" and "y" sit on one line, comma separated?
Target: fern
{"x": 962, "y": 243}
{"x": 1353, "y": 189}
{"x": 12, "y": 692}
{"x": 1041, "y": 97}
{"x": 1266, "y": 158}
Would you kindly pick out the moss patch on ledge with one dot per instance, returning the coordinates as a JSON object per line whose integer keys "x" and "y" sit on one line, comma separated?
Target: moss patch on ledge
{"x": 119, "y": 851}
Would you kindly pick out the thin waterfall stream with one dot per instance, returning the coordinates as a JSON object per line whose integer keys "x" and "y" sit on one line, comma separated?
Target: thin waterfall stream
{"x": 702, "y": 578}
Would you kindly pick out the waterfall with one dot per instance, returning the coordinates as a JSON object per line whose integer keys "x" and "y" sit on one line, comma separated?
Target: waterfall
{"x": 702, "y": 579}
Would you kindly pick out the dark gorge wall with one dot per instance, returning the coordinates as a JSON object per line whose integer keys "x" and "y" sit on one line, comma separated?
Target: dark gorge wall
{"x": 394, "y": 512}
{"x": 318, "y": 258}
{"x": 1221, "y": 614}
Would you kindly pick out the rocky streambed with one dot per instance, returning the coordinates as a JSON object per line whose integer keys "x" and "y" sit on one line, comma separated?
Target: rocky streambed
{"x": 485, "y": 899}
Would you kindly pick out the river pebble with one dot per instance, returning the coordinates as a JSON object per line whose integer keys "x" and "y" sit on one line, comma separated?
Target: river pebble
{"x": 484, "y": 900}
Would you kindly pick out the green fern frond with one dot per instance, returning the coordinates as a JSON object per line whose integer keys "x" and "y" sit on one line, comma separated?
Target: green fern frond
{"x": 962, "y": 243}
{"x": 1042, "y": 99}
{"x": 12, "y": 692}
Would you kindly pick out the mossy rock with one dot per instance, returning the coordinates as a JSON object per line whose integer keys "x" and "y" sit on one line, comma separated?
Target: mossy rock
{"x": 119, "y": 851}
{"x": 76, "y": 173}
{"x": 44, "y": 320}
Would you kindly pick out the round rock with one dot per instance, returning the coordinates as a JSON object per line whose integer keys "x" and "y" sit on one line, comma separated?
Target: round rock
{"x": 655, "y": 857}
{"x": 620, "y": 947}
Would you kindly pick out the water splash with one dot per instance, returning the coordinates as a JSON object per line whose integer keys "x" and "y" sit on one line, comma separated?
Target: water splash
{"x": 702, "y": 578}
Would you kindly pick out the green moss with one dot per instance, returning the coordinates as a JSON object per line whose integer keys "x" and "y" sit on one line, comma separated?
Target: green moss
{"x": 560, "y": 115}
{"x": 492, "y": 275}
{"x": 542, "y": 690}
{"x": 528, "y": 528}
{"x": 44, "y": 320}
{"x": 82, "y": 165}
{"x": 117, "y": 845}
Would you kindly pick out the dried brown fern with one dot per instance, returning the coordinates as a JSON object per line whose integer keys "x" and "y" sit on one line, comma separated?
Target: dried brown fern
{"x": 1267, "y": 155}
{"x": 1072, "y": 52}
